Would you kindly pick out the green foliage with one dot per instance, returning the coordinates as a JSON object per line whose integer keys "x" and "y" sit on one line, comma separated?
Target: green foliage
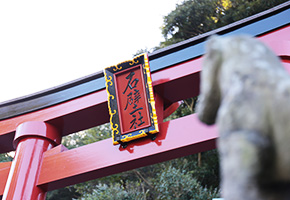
{"x": 189, "y": 19}
{"x": 116, "y": 191}
{"x": 187, "y": 107}
{"x": 191, "y": 177}
{"x": 156, "y": 181}
{"x": 206, "y": 171}
{"x": 194, "y": 17}
{"x": 240, "y": 9}
{"x": 160, "y": 181}
{"x": 88, "y": 136}
{"x": 67, "y": 193}
{"x": 4, "y": 157}
{"x": 175, "y": 183}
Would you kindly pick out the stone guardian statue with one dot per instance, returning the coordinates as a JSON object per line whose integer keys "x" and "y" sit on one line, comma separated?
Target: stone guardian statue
{"x": 245, "y": 90}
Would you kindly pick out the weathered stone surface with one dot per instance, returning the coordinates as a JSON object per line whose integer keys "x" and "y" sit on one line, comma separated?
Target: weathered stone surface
{"x": 246, "y": 91}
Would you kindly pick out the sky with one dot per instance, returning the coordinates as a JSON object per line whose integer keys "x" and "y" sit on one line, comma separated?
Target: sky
{"x": 47, "y": 43}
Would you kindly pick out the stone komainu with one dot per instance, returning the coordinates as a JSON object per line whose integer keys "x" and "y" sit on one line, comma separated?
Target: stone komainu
{"x": 246, "y": 91}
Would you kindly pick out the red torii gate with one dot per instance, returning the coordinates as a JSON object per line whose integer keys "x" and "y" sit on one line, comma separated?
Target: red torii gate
{"x": 35, "y": 124}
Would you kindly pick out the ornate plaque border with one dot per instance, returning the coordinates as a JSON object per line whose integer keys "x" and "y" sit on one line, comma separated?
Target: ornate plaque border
{"x": 109, "y": 72}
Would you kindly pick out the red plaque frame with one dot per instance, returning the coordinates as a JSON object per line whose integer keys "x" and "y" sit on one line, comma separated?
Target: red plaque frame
{"x": 130, "y": 100}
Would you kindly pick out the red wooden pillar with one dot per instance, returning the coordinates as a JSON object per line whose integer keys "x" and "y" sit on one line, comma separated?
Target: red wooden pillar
{"x": 32, "y": 140}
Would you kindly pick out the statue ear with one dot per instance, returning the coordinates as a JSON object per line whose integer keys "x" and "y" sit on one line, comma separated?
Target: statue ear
{"x": 213, "y": 56}
{"x": 209, "y": 88}
{"x": 213, "y": 44}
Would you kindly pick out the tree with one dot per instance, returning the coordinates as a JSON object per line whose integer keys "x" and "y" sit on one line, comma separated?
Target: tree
{"x": 174, "y": 183}
{"x": 189, "y": 19}
{"x": 170, "y": 183}
{"x": 88, "y": 136}
{"x": 187, "y": 177}
{"x": 195, "y": 17}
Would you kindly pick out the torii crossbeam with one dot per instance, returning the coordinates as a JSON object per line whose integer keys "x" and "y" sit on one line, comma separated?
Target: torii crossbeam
{"x": 36, "y": 123}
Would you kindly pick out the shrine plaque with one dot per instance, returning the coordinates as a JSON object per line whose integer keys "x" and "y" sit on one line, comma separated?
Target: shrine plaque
{"x": 131, "y": 100}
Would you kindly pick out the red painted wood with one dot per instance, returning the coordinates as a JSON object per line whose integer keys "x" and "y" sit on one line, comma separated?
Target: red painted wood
{"x": 5, "y": 167}
{"x": 102, "y": 158}
{"x": 278, "y": 41}
{"x": 176, "y": 138}
{"x": 32, "y": 140}
{"x": 4, "y": 171}
{"x": 69, "y": 117}
{"x": 83, "y": 113}
{"x": 171, "y": 109}
{"x": 63, "y": 110}
{"x": 173, "y": 84}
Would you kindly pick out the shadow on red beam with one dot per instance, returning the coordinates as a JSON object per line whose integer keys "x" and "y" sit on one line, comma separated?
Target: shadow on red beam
{"x": 180, "y": 137}
{"x": 4, "y": 172}
{"x": 178, "y": 82}
{"x": 71, "y": 116}
{"x": 173, "y": 84}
